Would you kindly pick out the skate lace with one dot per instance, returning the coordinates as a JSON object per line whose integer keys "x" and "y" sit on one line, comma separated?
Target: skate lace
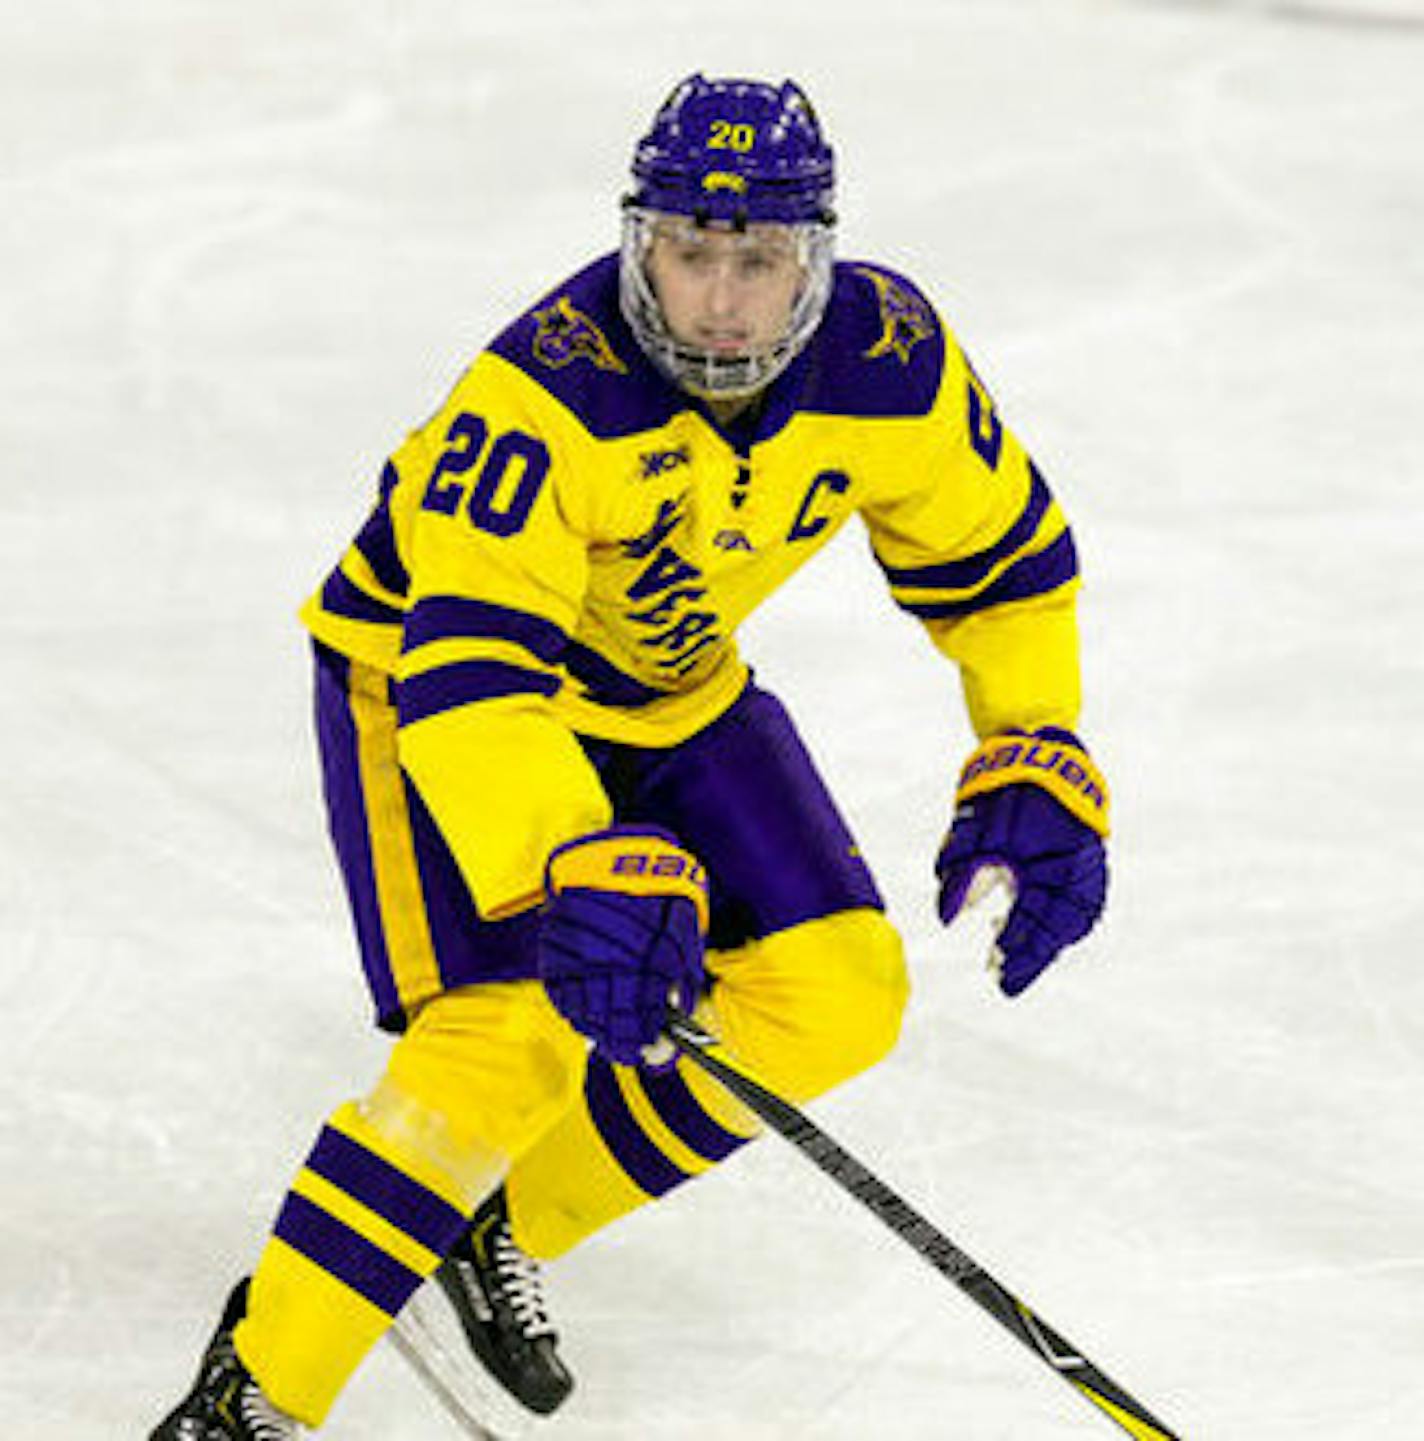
{"x": 263, "y": 1419}
{"x": 234, "y": 1398}
{"x": 522, "y": 1283}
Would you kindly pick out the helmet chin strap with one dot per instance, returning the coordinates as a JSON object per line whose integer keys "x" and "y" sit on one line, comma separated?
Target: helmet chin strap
{"x": 727, "y": 410}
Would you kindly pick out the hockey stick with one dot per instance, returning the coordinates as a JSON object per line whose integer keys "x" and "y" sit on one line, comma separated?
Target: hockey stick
{"x": 916, "y": 1231}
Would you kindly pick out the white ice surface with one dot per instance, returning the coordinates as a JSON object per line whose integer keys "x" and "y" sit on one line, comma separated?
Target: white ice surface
{"x": 244, "y": 246}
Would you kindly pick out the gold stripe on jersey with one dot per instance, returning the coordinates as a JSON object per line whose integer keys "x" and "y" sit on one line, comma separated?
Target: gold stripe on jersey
{"x": 399, "y": 892}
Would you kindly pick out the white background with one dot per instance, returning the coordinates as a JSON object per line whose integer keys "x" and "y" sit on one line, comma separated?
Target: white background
{"x": 244, "y": 246}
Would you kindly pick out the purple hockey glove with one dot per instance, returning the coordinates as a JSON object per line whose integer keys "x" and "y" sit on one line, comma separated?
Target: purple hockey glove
{"x": 1035, "y": 806}
{"x": 622, "y": 935}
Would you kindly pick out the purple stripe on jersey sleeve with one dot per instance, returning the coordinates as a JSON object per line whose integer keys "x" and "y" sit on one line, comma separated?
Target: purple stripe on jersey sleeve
{"x": 345, "y": 1254}
{"x": 376, "y": 540}
{"x": 450, "y": 617}
{"x": 961, "y": 574}
{"x": 389, "y": 1192}
{"x": 645, "y": 1164}
{"x": 680, "y": 1113}
{"x": 606, "y": 684}
{"x": 465, "y": 683}
{"x": 1031, "y": 576}
{"x": 341, "y": 597}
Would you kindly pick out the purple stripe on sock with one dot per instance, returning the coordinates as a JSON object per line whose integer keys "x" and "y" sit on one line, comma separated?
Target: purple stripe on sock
{"x": 681, "y": 1114}
{"x": 446, "y": 617}
{"x": 960, "y": 574}
{"x": 631, "y": 1148}
{"x": 345, "y": 1254}
{"x": 1034, "y": 575}
{"x": 465, "y": 682}
{"x": 389, "y": 1192}
{"x": 342, "y": 598}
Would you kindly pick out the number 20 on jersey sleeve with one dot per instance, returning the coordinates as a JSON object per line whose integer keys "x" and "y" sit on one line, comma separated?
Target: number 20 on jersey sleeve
{"x": 494, "y": 481}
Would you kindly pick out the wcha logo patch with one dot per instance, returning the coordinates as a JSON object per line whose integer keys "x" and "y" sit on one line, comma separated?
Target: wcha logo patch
{"x": 653, "y": 463}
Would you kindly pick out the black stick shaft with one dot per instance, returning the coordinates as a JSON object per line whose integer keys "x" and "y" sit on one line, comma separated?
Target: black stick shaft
{"x": 918, "y": 1232}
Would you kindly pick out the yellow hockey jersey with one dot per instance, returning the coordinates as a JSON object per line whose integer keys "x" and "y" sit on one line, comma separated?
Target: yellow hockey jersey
{"x": 568, "y": 546}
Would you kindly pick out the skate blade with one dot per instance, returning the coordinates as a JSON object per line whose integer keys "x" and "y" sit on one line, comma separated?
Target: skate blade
{"x": 429, "y": 1338}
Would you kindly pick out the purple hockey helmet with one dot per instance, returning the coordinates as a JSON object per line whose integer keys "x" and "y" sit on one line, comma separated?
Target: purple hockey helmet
{"x": 736, "y": 151}
{"x": 730, "y": 154}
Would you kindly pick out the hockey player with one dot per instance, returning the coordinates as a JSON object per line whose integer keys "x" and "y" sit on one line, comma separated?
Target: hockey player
{"x": 557, "y": 796}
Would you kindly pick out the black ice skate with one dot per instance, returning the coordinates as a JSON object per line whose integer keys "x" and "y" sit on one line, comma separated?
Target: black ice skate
{"x": 497, "y": 1292}
{"x": 226, "y": 1404}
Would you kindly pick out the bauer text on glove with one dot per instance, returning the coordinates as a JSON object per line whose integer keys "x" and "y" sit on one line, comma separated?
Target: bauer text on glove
{"x": 621, "y": 935}
{"x": 1032, "y": 808}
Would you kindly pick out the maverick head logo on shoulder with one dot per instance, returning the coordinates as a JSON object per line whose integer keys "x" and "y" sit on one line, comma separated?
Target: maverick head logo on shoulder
{"x": 905, "y": 319}
{"x": 566, "y": 334}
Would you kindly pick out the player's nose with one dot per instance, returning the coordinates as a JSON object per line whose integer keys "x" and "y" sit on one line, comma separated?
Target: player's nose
{"x": 722, "y": 298}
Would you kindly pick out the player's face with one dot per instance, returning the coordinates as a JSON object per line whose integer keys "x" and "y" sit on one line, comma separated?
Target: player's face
{"x": 726, "y": 292}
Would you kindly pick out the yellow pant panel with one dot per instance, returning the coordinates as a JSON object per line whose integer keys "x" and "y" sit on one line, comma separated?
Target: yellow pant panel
{"x": 496, "y": 1063}
{"x": 810, "y": 1007}
{"x": 805, "y": 1008}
